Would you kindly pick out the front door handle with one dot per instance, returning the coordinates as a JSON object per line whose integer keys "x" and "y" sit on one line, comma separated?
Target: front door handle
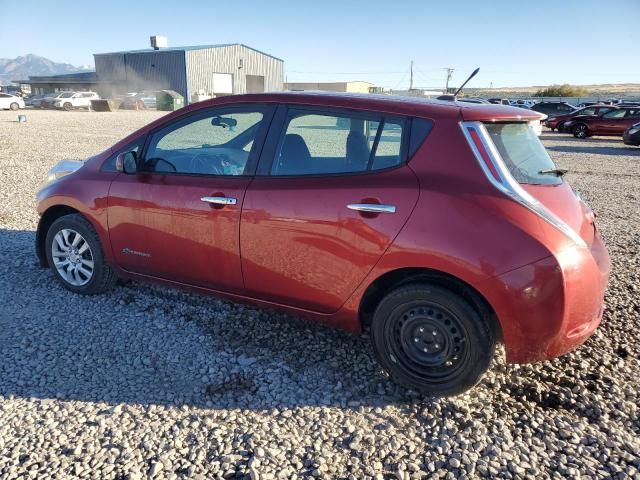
{"x": 220, "y": 200}
{"x": 372, "y": 207}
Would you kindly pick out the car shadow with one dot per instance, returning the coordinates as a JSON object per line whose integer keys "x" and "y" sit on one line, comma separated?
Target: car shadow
{"x": 622, "y": 149}
{"x": 569, "y": 138}
{"x": 144, "y": 344}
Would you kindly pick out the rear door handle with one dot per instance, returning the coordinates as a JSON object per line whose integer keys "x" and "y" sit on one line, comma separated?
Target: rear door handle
{"x": 372, "y": 207}
{"x": 220, "y": 200}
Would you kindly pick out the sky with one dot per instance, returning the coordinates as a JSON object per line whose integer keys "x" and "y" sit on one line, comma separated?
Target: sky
{"x": 515, "y": 43}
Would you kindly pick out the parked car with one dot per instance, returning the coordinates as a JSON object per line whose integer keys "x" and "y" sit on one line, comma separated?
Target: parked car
{"x": 50, "y": 99}
{"x": 499, "y": 101}
{"x": 10, "y": 102}
{"x": 614, "y": 122}
{"x": 73, "y": 100}
{"x": 140, "y": 100}
{"x": 553, "y": 108}
{"x": 270, "y": 199}
{"x": 631, "y": 136}
{"x": 522, "y": 103}
{"x": 557, "y": 122}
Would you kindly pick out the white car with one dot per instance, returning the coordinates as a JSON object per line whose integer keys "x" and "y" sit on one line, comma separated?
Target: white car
{"x": 11, "y": 102}
{"x": 71, "y": 100}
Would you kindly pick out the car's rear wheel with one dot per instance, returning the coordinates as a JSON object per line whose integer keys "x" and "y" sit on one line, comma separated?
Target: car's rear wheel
{"x": 67, "y": 106}
{"x": 580, "y": 131}
{"x": 76, "y": 257}
{"x": 431, "y": 340}
{"x": 14, "y": 106}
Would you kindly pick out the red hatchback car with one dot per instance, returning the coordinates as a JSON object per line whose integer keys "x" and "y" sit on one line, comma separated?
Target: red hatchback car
{"x": 557, "y": 122}
{"x": 614, "y": 122}
{"x": 441, "y": 227}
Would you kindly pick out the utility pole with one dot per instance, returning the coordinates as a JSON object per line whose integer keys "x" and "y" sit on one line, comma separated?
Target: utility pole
{"x": 411, "y": 76}
{"x": 449, "y": 73}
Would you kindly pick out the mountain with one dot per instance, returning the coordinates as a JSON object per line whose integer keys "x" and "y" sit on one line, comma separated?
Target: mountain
{"x": 21, "y": 67}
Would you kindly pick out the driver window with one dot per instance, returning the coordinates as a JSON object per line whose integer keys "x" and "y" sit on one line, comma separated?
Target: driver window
{"x": 215, "y": 143}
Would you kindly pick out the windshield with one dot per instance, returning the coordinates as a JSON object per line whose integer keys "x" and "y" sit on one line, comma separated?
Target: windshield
{"x": 523, "y": 154}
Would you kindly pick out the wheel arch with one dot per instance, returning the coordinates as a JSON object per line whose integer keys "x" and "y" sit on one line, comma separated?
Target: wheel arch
{"x": 393, "y": 279}
{"x": 48, "y": 217}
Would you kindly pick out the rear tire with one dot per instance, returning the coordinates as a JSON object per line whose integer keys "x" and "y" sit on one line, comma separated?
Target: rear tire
{"x": 14, "y": 106}
{"x": 76, "y": 257}
{"x": 431, "y": 340}
{"x": 67, "y": 106}
{"x": 580, "y": 131}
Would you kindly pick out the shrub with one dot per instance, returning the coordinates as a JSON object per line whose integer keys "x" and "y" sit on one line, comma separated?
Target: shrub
{"x": 565, "y": 90}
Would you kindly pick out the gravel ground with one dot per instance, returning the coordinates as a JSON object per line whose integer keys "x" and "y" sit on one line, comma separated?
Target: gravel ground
{"x": 147, "y": 382}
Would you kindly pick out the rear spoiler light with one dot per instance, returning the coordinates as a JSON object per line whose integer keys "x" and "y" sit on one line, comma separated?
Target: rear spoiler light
{"x": 498, "y": 174}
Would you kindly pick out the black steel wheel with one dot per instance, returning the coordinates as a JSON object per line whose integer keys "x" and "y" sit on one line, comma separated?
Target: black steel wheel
{"x": 580, "y": 131}
{"x": 431, "y": 340}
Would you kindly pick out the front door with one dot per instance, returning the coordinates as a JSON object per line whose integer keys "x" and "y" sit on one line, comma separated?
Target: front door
{"x": 179, "y": 217}
{"x": 334, "y": 194}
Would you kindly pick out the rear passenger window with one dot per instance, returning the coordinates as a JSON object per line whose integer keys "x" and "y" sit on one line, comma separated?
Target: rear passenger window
{"x": 318, "y": 143}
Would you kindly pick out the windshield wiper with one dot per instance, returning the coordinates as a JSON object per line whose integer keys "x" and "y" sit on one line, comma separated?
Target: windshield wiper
{"x": 554, "y": 171}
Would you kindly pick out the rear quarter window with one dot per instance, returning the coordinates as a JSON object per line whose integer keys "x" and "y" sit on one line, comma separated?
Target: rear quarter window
{"x": 523, "y": 154}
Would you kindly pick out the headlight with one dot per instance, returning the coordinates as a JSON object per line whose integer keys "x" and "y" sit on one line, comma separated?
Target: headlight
{"x": 63, "y": 168}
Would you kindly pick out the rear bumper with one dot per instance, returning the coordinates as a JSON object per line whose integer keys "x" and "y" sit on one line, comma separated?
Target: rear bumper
{"x": 552, "y": 306}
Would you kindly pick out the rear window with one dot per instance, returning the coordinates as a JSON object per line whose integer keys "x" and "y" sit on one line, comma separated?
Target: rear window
{"x": 523, "y": 154}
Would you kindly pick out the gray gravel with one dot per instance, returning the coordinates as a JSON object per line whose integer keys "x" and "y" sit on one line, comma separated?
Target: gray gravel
{"x": 147, "y": 382}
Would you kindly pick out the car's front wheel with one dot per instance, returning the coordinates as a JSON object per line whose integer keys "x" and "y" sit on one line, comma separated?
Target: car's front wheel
{"x": 431, "y": 340}
{"x": 76, "y": 257}
{"x": 14, "y": 106}
{"x": 67, "y": 106}
{"x": 580, "y": 131}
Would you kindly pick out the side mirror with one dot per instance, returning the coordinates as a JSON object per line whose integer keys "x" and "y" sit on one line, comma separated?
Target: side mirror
{"x": 126, "y": 163}
{"x": 224, "y": 122}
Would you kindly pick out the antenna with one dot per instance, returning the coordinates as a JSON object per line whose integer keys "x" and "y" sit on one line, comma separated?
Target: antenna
{"x": 467, "y": 81}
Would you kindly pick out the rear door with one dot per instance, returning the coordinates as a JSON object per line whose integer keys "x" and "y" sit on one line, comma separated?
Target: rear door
{"x": 332, "y": 192}
{"x": 179, "y": 217}
{"x": 609, "y": 123}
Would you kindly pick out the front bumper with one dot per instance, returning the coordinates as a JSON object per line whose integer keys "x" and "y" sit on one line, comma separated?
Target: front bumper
{"x": 552, "y": 306}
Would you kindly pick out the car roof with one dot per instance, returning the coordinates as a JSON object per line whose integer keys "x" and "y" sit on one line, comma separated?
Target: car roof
{"x": 414, "y": 106}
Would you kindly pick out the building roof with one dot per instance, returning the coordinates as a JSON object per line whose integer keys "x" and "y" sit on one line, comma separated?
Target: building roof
{"x": 188, "y": 48}
{"x": 80, "y": 77}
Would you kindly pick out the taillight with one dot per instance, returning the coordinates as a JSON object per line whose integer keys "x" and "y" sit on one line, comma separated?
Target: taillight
{"x": 498, "y": 174}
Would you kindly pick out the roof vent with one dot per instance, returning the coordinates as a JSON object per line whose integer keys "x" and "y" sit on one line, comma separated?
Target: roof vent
{"x": 158, "y": 42}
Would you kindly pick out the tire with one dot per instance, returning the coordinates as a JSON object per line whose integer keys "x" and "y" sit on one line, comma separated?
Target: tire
{"x": 67, "y": 106}
{"x": 580, "y": 131}
{"x": 431, "y": 340}
{"x": 61, "y": 236}
{"x": 559, "y": 127}
{"x": 14, "y": 106}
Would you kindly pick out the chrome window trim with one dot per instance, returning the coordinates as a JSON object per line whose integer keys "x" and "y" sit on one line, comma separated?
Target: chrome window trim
{"x": 507, "y": 184}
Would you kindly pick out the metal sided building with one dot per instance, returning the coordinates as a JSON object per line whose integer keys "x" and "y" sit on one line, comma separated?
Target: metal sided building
{"x": 199, "y": 70}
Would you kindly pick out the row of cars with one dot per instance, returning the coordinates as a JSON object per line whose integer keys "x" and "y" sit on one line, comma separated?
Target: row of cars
{"x": 611, "y": 120}
{"x": 63, "y": 100}
{"x": 74, "y": 100}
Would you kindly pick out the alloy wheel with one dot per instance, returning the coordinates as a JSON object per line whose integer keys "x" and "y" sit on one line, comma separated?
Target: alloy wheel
{"x": 580, "y": 131}
{"x": 72, "y": 257}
